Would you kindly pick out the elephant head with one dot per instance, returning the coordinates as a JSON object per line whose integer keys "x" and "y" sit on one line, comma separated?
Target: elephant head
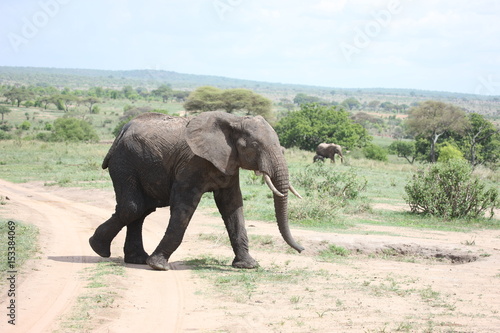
{"x": 230, "y": 142}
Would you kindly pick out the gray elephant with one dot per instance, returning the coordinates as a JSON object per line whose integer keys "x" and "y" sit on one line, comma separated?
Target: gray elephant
{"x": 158, "y": 160}
{"x": 317, "y": 158}
{"x": 328, "y": 150}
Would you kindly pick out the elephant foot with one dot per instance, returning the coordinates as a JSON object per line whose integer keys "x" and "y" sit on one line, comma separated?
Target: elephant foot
{"x": 158, "y": 262}
{"x": 136, "y": 258}
{"x": 100, "y": 248}
{"x": 247, "y": 263}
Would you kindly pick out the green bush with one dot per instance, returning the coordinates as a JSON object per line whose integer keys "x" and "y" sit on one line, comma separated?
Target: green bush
{"x": 449, "y": 190}
{"x": 5, "y": 136}
{"x": 325, "y": 190}
{"x": 449, "y": 152}
{"x": 374, "y": 152}
{"x": 25, "y": 125}
{"x": 73, "y": 129}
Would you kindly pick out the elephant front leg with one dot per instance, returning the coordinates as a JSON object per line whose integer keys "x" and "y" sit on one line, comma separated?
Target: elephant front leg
{"x": 230, "y": 204}
{"x": 183, "y": 204}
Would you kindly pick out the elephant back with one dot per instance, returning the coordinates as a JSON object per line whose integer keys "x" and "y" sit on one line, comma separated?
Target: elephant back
{"x": 146, "y": 135}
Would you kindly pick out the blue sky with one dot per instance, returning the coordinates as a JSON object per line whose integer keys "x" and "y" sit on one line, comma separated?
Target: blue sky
{"x": 446, "y": 45}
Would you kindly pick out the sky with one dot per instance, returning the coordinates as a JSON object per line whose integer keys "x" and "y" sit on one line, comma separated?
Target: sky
{"x": 444, "y": 45}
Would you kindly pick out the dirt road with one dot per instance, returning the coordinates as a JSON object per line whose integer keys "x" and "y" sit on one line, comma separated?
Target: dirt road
{"x": 396, "y": 279}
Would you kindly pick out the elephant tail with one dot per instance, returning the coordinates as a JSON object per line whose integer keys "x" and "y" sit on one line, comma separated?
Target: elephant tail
{"x": 113, "y": 146}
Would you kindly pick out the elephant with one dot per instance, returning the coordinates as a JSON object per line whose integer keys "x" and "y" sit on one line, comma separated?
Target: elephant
{"x": 159, "y": 160}
{"x": 328, "y": 150}
{"x": 317, "y": 158}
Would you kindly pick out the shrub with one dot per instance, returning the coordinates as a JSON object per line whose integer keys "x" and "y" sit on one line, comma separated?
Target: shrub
{"x": 72, "y": 129}
{"x": 449, "y": 152}
{"x": 25, "y": 125}
{"x": 374, "y": 152}
{"x": 449, "y": 190}
{"x": 5, "y": 136}
{"x": 326, "y": 190}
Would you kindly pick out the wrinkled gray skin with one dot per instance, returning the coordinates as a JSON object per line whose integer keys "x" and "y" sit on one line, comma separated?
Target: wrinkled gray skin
{"x": 159, "y": 160}
{"x": 329, "y": 150}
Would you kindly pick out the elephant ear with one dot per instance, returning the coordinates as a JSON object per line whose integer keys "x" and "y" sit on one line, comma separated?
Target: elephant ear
{"x": 209, "y": 136}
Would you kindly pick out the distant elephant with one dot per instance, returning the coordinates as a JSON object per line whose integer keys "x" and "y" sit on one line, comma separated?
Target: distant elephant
{"x": 329, "y": 150}
{"x": 158, "y": 160}
{"x": 317, "y": 158}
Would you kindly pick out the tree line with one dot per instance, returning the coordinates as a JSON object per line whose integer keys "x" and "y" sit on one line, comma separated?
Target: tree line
{"x": 42, "y": 96}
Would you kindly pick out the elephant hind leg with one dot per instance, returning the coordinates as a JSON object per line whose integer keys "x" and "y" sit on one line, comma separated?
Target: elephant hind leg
{"x": 100, "y": 242}
{"x": 134, "y": 248}
{"x": 129, "y": 209}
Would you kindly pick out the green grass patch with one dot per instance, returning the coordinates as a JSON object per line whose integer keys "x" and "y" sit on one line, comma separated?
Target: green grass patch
{"x": 62, "y": 164}
{"x": 18, "y": 243}
{"x": 240, "y": 285}
{"x": 333, "y": 253}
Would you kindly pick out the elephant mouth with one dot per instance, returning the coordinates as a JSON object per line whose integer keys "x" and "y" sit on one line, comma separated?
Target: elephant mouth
{"x": 273, "y": 188}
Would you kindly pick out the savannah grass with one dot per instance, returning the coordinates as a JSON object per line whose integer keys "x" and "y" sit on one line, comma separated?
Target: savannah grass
{"x": 79, "y": 165}
{"x": 241, "y": 285}
{"x": 26, "y": 236}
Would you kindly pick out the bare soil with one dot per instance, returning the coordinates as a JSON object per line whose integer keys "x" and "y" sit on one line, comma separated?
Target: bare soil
{"x": 394, "y": 279}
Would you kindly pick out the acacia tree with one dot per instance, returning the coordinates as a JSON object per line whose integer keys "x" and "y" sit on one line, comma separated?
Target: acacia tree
{"x": 3, "y": 111}
{"x": 203, "y": 99}
{"x": 90, "y": 102}
{"x": 18, "y": 95}
{"x": 431, "y": 119}
{"x": 209, "y": 98}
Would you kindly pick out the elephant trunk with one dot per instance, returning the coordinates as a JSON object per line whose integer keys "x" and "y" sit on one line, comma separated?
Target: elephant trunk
{"x": 280, "y": 179}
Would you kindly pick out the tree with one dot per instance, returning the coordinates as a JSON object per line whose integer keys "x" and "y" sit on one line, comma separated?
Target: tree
{"x": 3, "y": 111}
{"x": 66, "y": 100}
{"x": 180, "y": 95}
{"x": 235, "y": 99}
{"x": 431, "y": 119}
{"x": 18, "y": 95}
{"x": 203, "y": 99}
{"x": 164, "y": 91}
{"x": 373, "y": 104}
{"x": 90, "y": 102}
{"x": 302, "y": 98}
{"x": 231, "y": 100}
{"x": 388, "y": 106}
{"x": 404, "y": 149}
{"x": 482, "y": 140}
{"x": 314, "y": 124}
{"x": 351, "y": 103}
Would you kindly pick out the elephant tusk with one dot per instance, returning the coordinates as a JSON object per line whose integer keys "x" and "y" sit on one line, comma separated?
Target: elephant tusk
{"x": 294, "y": 191}
{"x": 271, "y": 186}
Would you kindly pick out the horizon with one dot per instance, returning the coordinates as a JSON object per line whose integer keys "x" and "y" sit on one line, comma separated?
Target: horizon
{"x": 255, "y": 81}
{"x": 445, "y": 46}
